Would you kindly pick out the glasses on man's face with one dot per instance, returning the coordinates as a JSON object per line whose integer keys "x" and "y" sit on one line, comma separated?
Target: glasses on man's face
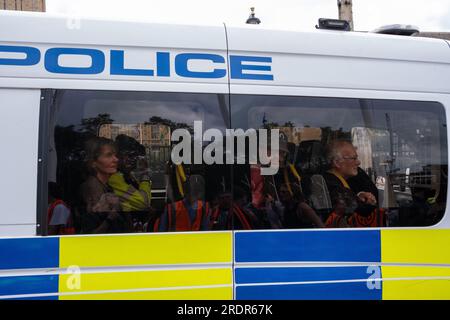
{"x": 355, "y": 158}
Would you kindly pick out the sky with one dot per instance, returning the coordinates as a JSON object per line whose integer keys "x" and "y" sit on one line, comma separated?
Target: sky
{"x": 302, "y": 15}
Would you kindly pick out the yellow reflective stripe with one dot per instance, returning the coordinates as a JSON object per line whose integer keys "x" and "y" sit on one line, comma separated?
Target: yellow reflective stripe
{"x": 286, "y": 181}
{"x": 415, "y": 246}
{"x": 181, "y": 172}
{"x": 146, "y": 280}
{"x": 341, "y": 178}
{"x": 417, "y": 288}
{"x": 180, "y": 186}
{"x": 294, "y": 172}
{"x": 148, "y": 249}
{"x": 131, "y": 199}
{"x": 146, "y": 191}
{"x": 128, "y": 193}
{"x": 185, "y": 294}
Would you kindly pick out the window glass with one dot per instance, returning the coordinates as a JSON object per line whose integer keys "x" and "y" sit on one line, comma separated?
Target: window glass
{"x": 346, "y": 162}
{"x": 110, "y": 168}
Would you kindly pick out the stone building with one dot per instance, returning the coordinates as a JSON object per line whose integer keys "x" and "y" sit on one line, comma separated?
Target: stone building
{"x": 23, "y": 5}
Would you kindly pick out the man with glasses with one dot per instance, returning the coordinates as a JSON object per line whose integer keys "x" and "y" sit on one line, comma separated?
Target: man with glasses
{"x": 349, "y": 183}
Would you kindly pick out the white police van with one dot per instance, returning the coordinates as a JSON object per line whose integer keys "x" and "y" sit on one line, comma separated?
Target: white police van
{"x": 60, "y": 86}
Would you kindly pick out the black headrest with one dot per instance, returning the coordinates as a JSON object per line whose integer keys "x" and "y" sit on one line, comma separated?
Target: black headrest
{"x": 311, "y": 157}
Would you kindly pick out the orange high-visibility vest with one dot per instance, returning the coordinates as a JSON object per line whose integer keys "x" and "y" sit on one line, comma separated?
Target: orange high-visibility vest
{"x": 237, "y": 212}
{"x": 66, "y": 229}
{"x": 333, "y": 220}
{"x": 375, "y": 219}
{"x": 178, "y": 217}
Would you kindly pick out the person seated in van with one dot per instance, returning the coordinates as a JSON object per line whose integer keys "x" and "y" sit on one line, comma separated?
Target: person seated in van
{"x": 265, "y": 193}
{"x": 191, "y": 213}
{"x": 347, "y": 181}
{"x": 101, "y": 204}
{"x": 59, "y": 216}
{"x": 131, "y": 183}
{"x": 297, "y": 213}
{"x": 231, "y": 214}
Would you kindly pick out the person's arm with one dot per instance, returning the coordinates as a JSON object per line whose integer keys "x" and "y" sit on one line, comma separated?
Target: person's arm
{"x": 367, "y": 197}
{"x": 131, "y": 198}
{"x": 310, "y": 214}
{"x": 362, "y": 184}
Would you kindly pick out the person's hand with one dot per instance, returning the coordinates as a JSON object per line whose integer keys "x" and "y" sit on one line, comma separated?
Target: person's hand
{"x": 367, "y": 197}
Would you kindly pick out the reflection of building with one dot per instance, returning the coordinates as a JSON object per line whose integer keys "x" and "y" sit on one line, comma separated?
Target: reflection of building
{"x": 23, "y": 5}
{"x": 297, "y": 135}
{"x": 149, "y": 135}
{"x": 362, "y": 140}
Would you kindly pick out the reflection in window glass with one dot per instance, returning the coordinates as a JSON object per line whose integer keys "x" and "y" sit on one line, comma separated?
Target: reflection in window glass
{"x": 109, "y": 159}
{"x": 347, "y": 162}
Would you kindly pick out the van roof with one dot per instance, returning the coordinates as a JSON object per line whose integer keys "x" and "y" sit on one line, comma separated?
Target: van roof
{"x": 34, "y": 27}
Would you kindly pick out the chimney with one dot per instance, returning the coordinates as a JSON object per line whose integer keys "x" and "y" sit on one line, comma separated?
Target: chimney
{"x": 23, "y": 5}
{"x": 345, "y": 8}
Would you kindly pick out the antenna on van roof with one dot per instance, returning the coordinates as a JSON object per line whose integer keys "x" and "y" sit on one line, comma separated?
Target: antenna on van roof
{"x": 397, "y": 29}
{"x": 252, "y": 19}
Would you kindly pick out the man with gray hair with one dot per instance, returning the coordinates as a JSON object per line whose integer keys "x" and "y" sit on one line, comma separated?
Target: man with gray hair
{"x": 345, "y": 180}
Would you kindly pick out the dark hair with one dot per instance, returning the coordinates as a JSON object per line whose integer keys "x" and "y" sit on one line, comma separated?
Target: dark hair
{"x": 129, "y": 145}
{"x": 93, "y": 148}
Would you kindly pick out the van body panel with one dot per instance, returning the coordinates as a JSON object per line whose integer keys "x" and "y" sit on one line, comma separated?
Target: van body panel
{"x": 46, "y": 28}
{"x": 19, "y": 123}
{"x": 348, "y": 60}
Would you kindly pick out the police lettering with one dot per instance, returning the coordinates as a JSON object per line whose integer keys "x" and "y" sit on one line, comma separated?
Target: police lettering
{"x": 183, "y": 65}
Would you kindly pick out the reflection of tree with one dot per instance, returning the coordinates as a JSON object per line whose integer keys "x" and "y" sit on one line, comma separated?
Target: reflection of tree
{"x": 93, "y": 124}
{"x": 328, "y": 134}
{"x": 171, "y": 124}
{"x": 70, "y": 143}
{"x": 270, "y": 125}
{"x": 289, "y": 124}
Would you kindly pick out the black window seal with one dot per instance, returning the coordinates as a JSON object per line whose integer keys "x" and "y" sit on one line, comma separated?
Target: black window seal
{"x": 47, "y": 99}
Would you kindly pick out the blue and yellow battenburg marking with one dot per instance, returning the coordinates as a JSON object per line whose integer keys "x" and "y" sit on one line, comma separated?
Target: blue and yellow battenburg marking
{"x": 184, "y": 249}
{"x": 259, "y": 280}
{"x": 333, "y": 276}
{"x": 29, "y": 253}
{"x": 144, "y": 250}
{"x": 327, "y": 264}
{"x": 427, "y": 247}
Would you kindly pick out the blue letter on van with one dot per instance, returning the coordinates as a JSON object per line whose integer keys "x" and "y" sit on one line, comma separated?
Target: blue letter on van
{"x": 118, "y": 68}
{"x": 52, "y": 64}
{"x": 163, "y": 64}
{"x": 237, "y": 66}
{"x": 182, "y": 60}
{"x": 33, "y": 56}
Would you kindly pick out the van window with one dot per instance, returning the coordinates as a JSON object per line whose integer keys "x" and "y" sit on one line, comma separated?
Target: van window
{"x": 347, "y": 162}
{"x": 109, "y": 166}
